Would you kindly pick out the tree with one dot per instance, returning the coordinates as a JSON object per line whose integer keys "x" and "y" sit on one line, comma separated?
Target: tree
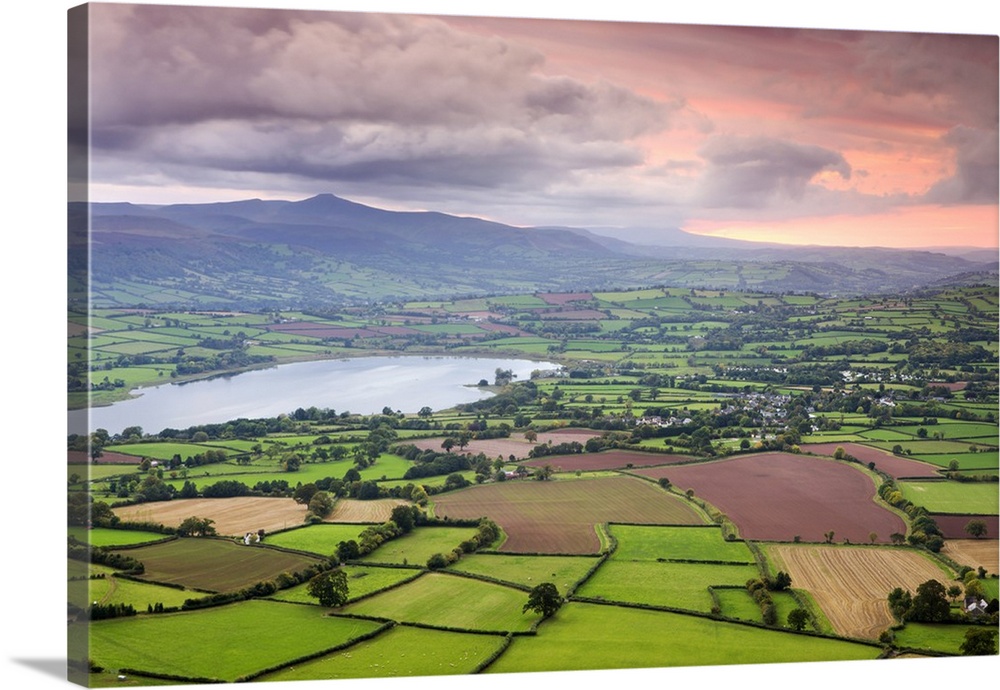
{"x": 196, "y": 527}
{"x": 321, "y": 504}
{"x": 798, "y": 618}
{"x": 900, "y": 601}
{"x": 530, "y": 436}
{"x": 330, "y": 588}
{"x": 781, "y": 582}
{"x": 544, "y": 599}
{"x": 930, "y": 603}
{"x": 404, "y": 517}
{"x": 976, "y": 528}
{"x": 304, "y": 493}
{"x": 979, "y": 642}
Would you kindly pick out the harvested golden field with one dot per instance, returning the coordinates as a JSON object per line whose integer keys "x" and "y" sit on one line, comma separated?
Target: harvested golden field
{"x": 851, "y": 583}
{"x": 351, "y": 510}
{"x": 974, "y": 553}
{"x": 232, "y": 516}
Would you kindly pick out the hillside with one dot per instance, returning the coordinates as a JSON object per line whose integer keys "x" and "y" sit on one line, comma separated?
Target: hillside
{"x": 328, "y": 250}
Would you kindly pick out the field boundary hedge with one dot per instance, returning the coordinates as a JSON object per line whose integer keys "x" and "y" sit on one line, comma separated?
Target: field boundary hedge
{"x": 488, "y": 661}
{"x": 167, "y": 676}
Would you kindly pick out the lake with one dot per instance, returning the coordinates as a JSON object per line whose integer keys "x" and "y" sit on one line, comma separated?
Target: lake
{"x": 364, "y": 385}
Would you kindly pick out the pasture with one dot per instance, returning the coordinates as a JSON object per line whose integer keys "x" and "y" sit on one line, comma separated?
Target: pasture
{"x": 291, "y": 631}
{"x": 620, "y": 638}
{"x": 953, "y": 497}
{"x": 401, "y": 651}
{"x": 670, "y": 584}
{"x": 451, "y": 601}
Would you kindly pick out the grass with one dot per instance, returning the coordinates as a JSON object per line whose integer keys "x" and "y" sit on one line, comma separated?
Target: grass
{"x": 637, "y": 542}
{"x": 450, "y": 601}
{"x": 939, "y": 637}
{"x": 116, "y": 590}
{"x": 952, "y": 497}
{"x": 247, "y": 637}
{"x": 319, "y": 539}
{"x": 101, "y": 536}
{"x": 591, "y": 637}
{"x": 401, "y": 651}
{"x": 419, "y": 545}
{"x": 677, "y": 585}
{"x": 562, "y": 571}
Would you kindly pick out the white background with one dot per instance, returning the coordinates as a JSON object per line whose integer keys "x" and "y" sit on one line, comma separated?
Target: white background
{"x": 32, "y": 534}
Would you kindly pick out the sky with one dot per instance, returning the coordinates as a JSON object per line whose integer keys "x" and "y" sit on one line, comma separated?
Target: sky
{"x": 846, "y": 137}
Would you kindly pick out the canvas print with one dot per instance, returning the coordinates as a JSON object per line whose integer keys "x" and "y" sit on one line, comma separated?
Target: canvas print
{"x": 405, "y": 345}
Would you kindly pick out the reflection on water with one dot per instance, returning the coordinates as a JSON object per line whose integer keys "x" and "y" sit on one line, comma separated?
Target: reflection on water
{"x": 364, "y": 385}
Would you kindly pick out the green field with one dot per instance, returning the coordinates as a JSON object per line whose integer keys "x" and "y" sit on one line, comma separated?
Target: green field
{"x": 953, "y": 497}
{"x": 451, "y": 601}
{"x": 642, "y": 543}
{"x": 938, "y": 637}
{"x": 419, "y": 545}
{"x": 100, "y": 536}
{"x": 319, "y": 539}
{"x": 675, "y": 585}
{"x": 620, "y": 638}
{"x": 291, "y": 631}
{"x": 528, "y": 571}
{"x": 401, "y": 651}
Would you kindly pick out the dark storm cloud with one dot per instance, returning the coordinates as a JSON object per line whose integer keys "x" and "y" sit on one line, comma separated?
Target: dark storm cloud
{"x": 333, "y": 96}
{"x": 755, "y": 172}
{"x": 976, "y": 179}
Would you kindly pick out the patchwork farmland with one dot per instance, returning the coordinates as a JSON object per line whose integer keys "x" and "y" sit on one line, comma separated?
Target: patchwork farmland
{"x": 690, "y": 500}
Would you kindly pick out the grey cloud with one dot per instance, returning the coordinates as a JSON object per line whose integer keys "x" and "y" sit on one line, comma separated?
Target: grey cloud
{"x": 755, "y": 172}
{"x": 976, "y": 178}
{"x": 330, "y": 96}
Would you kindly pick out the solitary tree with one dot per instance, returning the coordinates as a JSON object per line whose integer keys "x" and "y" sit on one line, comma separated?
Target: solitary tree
{"x": 330, "y": 588}
{"x": 544, "y": 599}
{"x": 797, "y": 618}
{"x": 976, "y": 528}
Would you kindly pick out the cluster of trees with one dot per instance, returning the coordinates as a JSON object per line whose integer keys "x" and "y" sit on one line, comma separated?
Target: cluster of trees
{"x": 761, "y": 589}
{"x": 487, "y": 532}
{"x": 97, "y": 612}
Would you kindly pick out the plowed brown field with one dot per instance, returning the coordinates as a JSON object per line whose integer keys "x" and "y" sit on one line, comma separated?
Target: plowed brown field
{"x": 885, "y": 461}
{"x": 515, "y": 445}
{"x": 851, "y": 583}
{"x": 974, "y": 553}
{"x": 559, "y": 516}
{"x": 777, "y": 496}
{"x": 607, "y": 460}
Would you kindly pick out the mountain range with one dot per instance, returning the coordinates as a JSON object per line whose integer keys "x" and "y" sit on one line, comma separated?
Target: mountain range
{"x": 329, "y": 250}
